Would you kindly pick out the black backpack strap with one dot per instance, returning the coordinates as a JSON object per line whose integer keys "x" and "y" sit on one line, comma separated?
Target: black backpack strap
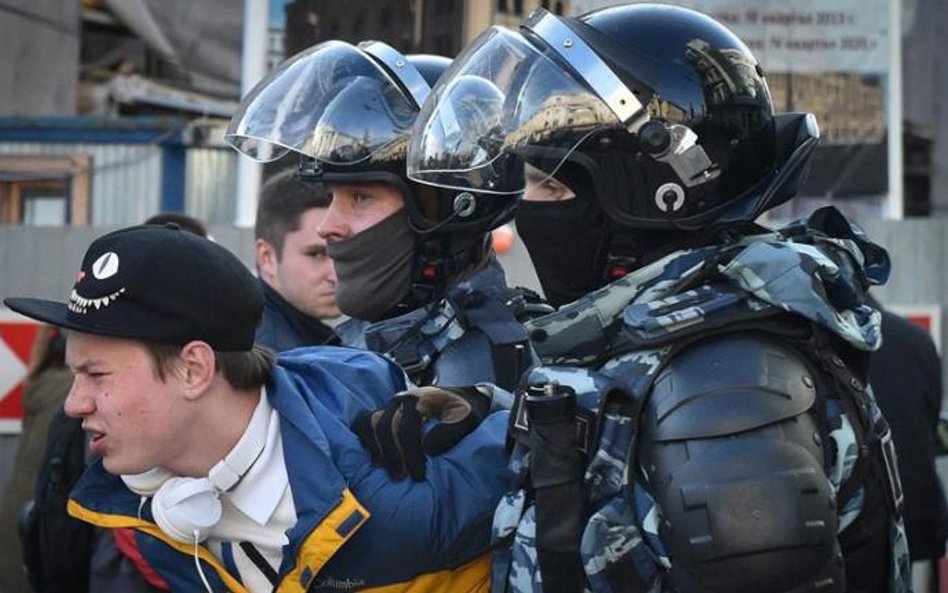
{"x": 59, "y": 546}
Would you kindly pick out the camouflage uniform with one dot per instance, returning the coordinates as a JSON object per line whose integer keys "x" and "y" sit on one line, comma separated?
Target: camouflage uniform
{"x": 456, "y": 340}
{"x": 623, "y": 334}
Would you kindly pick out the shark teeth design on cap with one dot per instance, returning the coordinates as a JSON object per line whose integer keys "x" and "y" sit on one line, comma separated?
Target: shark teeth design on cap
{"x": 80, "y": 304}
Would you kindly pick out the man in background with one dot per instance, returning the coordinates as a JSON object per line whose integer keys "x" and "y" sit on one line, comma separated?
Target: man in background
{"x": 297, "y": 277}
{"x": 184, "y": 222}
{"x": 905, "y": 374}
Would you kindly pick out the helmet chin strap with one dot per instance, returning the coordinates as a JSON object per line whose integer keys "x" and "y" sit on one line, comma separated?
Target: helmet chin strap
{"x": 631, "y": 249}
{"x": 623, "y": 256}
{"x": 437, "y": 263}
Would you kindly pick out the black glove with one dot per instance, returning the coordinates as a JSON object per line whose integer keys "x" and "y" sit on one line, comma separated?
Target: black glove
{"x": 394, "y": 435}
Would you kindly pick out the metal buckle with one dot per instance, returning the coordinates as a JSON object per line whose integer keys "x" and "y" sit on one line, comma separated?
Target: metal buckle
{"x": 891, "y": 463}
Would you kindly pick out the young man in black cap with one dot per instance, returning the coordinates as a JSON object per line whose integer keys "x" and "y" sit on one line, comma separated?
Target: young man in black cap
{"x": 204, "y": 438}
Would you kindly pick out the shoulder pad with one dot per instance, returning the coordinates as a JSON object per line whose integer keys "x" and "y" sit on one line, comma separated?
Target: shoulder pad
{"x": 729, "y": 384}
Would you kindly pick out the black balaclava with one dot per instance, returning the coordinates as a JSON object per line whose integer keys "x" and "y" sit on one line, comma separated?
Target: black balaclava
{"x": 374, "y": 267}
{"x": 568, "y": 240}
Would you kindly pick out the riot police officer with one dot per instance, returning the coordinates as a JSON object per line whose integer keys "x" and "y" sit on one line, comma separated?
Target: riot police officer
{"x": 708, "y": 425}
{"x": 414, "y": 264}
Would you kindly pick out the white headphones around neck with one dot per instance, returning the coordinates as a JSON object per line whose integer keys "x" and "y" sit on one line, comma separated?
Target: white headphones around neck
{"x": 186, "y": 509}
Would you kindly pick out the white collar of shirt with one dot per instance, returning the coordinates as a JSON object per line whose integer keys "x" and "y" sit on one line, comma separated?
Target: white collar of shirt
{"x": 259, "y": 509}
{"x": 258, "y": 492}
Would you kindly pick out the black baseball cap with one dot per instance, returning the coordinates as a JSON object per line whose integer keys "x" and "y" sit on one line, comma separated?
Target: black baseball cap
{"x": 158, "y": 284}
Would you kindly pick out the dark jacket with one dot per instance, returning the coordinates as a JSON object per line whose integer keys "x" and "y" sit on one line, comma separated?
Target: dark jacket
{"x": 42, "y": 398}
{"x": 905, "y": 375}
{"x": 285, "y": 327}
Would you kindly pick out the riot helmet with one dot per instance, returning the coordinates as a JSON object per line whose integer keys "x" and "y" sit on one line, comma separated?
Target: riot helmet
{"x": 348, "y": 111}
{"x": 666, "y": 109}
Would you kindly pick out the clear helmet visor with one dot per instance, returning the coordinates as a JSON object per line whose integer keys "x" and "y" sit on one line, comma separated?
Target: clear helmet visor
{"x": 502, "y": 101}
{"x": 332, "y": 103}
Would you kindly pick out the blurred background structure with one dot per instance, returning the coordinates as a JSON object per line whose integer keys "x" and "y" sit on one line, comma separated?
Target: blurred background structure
{"x": 103, "y": 98}
{"x": 113, "y": 109}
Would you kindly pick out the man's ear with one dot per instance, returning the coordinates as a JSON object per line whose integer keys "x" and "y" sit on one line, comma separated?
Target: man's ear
{"x": 200, "y": 367}
{"x": 267, "y": 261}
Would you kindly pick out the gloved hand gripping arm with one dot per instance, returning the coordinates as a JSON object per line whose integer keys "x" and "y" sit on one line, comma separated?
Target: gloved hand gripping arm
{"x": 395, "y": 435}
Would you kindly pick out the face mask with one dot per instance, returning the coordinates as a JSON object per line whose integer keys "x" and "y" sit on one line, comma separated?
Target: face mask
{"x": 567, "y": 244}
{"x": 373, "y": 268}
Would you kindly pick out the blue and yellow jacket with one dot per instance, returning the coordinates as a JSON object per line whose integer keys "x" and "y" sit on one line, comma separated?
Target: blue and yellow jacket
{"x": 356, "y": 529}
